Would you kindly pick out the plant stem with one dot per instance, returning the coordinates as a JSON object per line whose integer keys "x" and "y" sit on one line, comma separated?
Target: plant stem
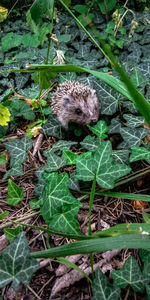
{"x": 86, "y": 31}
{"x": 92, "y": 194}
{"x": 20, "y": 219}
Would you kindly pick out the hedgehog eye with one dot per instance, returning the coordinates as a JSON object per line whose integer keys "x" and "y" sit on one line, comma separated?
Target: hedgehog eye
{"x": 78, "y": 111}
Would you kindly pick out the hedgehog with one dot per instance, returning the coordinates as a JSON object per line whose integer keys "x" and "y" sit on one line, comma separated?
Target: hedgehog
{"x": 75, "y": 102}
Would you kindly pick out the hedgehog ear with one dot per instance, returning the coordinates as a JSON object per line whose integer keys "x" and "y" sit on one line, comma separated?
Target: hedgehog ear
{"x": 67, "y": 100}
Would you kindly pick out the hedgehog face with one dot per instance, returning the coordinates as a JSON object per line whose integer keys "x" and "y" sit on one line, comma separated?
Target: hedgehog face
{"x": 81, "y": 108}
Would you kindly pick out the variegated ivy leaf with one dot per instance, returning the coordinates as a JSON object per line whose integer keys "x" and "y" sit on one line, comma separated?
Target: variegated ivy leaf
{"x": 99, "y": 129}
{"x": 53, "y": 128}
{"x": 121, "y": 156}
{"x": 102, "y": 289}
{"x": 61, "y": 145}
{"x": 90, "y": 143}
{"x": 115, "y": 126}
{"x": 110, "y": 98}
{"x": 140, "y": 153}
{"x": 133, "y": 121}
{"x": 18, "y": 153}
{"x": 130, "y": 274}
{"x": 133, "y": 136}
{"x": 54, "y": 162}
{"x": 57, "y": 203}
{"x": 17, "y": 266}
{"x": 107, "y": 171}
{"x": 110, "y": 172}
{"x": 73, "y": 183}
{"x": 138, "y": 78}
{"x": 72, "y": 157}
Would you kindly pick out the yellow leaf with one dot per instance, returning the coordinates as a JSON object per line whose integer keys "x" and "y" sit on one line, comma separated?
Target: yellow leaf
{"x": 4, "y": 115}
{"x": 3, "y": 13}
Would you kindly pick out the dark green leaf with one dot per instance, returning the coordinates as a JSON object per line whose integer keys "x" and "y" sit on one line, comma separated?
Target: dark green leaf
{"x": 102, "y": 289}
{"x": 17, "y": 266}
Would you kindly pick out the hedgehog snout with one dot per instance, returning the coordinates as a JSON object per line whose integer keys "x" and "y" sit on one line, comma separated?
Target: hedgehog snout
{"x": 93, "y": 122}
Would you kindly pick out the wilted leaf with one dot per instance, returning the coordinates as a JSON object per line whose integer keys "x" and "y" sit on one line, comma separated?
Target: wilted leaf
{"x": 3, "y": 13}
{"x": 4, "y": 115}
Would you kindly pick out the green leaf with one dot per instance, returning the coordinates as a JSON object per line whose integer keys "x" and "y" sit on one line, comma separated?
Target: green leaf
{"x": 81, "y": 9}
{"x": 39, "y": 9}
{"x": 109, "y": 4}
{"x": 70, "y": 264}
{"x": 72, "y": 157}
{"x": 133, "y": 136}
{"x": 64, "y": 38}
{"x": 11, "y": 233}
{"x": 4, "y": 215}
{"x": 133, "y": 121}
{"x": 101, "y": 244}
{"x": 139, "y": 153}
{"x": 3, "y": 159}
{"x": 138, "y": 79}
{"x": 107, "y": 171}
{"x": 99, "y": 129}
{"x": 58, "y": 207}
{"x": 20, "y": 108}
{"x": 61, "y": 145}
{"x": 17, "y": 266}
{"x": 53, "y": 128}
{"x": 130, "y": 274}
{"x": 10, "y": 41}
{"x": 15, "y": 193}
{"x": 102, "y": 289}
{"x": 90, "y": 143}
{"x": 54, "y": 162}
{"x": 121, "y": 156}
{"x": 17, "y": 150}
{"x": 29, "y": 40}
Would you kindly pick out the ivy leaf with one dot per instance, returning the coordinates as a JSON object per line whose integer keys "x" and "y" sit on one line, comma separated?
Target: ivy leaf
{"x": 3, "y": 159}
{"x": 102, "y": 289}
{"x": 99, "y": 129}
{"x": 133, "y": 136}
{"x": 138, "y": 79}
{"x": 140, "y": 153}
{"x": 72, "y": 157}
{"x": 90, "y": 143}
{"x": 53, "y": 128}
{"x": 121, "y": 156}
{"x": 15, "y": 193}
{"x": 57, "y": 203}
{"x": 110, "y": 98}
{"x": 107, "y": 171}
{"x": 73, "y": 183}
{"x": 11, "y": 233}
{"x": 4, "y": 115}
{"x": 17, "y": 266}
{"x": 54, "y": 162}
{"x": 17, "y": 150}
{"x": 130, "y": 274}
{"x": 115, "y": 126}
{"x": 133, "y": 121}
{"x": 20, "y": 108}
{"x": 4, "y": 215}
{"x": 61, "y": 145}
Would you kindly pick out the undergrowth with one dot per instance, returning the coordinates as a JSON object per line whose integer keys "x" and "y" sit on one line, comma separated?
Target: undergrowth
{"x": 66, "y": 47}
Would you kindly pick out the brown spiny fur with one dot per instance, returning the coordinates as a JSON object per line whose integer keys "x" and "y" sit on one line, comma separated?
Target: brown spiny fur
{"x": 75, "y": 102}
